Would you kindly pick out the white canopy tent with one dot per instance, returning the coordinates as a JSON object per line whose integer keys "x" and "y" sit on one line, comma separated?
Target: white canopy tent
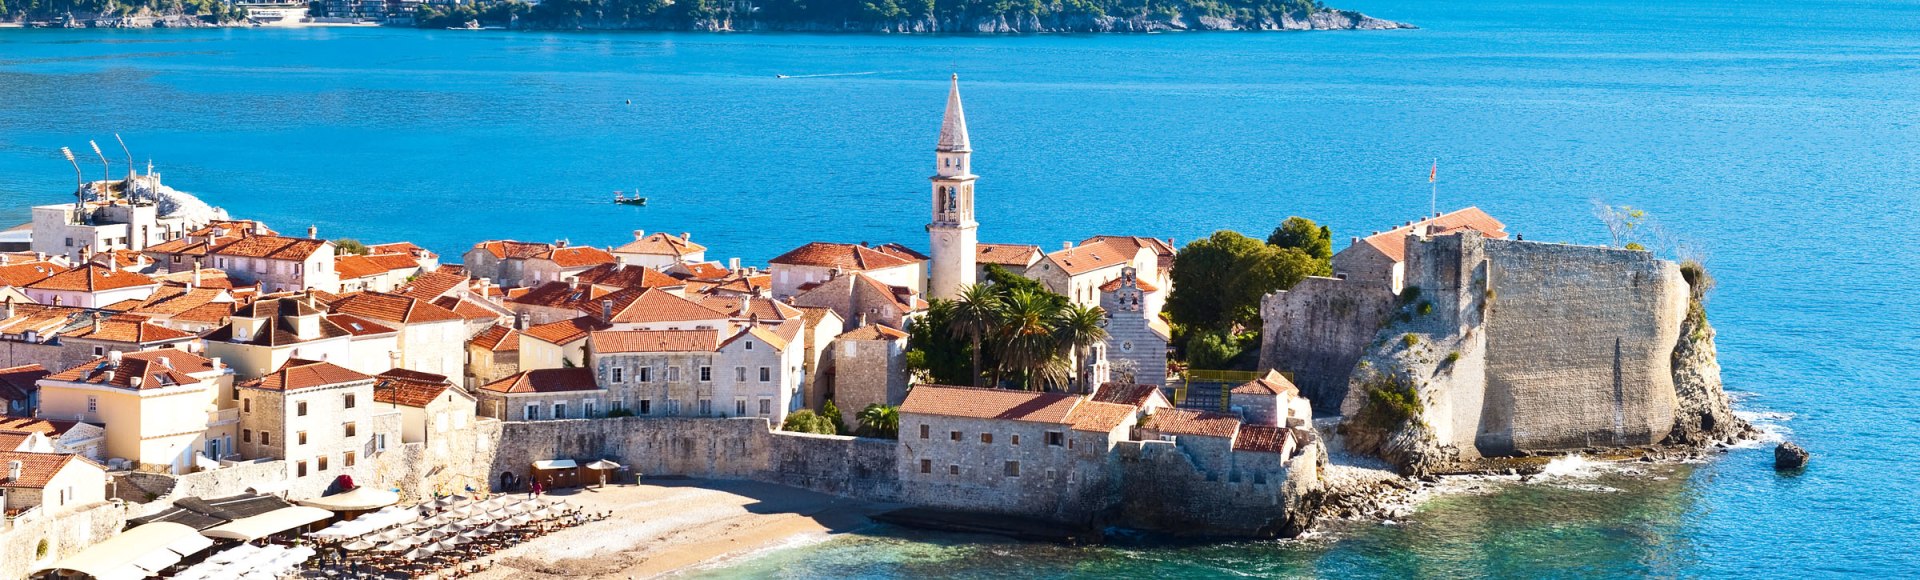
{"x": 358, "y": 500}
{"x": 267, "y": 524}
{"x": 136, "y": 553}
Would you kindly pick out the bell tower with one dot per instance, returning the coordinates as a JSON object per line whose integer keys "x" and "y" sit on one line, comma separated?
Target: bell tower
{"x": 953, "y": 232}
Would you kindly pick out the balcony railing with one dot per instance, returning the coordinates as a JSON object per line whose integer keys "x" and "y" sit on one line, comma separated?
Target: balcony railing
{"x": 223, "y": 417}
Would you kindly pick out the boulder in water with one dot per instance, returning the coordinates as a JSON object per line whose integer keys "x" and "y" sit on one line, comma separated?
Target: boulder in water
{"x": 1789, "y": 456}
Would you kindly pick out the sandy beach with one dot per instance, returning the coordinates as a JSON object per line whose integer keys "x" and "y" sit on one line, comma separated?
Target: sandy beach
{"x": 659, "y": 527}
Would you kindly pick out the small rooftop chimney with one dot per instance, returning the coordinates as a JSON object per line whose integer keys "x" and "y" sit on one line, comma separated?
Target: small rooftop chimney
{"x": 733, "y": 264}
{"x": 1066, "y": 245}
{"x": 9, "y": 307}
{"x": 573, "y": 282}
{"x": 688, "y": 236}
{"x": 96, "y": 323}
{"x": 639, "y": 234}
{"x": 113, "y": 356}
{"x": 313, "y": 232}
{"x": 165, "y": 362}
{"x": 606, "y": 311}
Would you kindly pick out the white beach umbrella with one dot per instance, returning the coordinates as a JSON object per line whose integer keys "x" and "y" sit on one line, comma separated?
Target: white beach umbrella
{"x": 542, "y": 513}
{"x": 417, "y": 553}
{"x": 497, "y": 527}
{"x": 400, "y": 544}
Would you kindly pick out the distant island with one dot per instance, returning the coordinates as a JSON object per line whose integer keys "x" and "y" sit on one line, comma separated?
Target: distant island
{"x": 872, "y": 16}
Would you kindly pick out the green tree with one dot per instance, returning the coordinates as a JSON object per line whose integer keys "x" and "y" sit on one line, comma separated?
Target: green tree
{"x": 879, "y": 420}
{"x": 1218, "y": 280}
{"x": 932, "y": 347}
{"x": 832, "y": 413}
{"x": 1078, "y": 328}
{"x": 806, "y": 421}
{"x": 1302, "y": 234}
{"x": 1028, "y": 347}
{"x": 350, "y": 246}
{"x": 976, "y": 312}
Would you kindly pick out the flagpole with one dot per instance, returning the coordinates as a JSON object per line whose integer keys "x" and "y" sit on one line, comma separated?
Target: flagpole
{"x": 1433, "y": 180}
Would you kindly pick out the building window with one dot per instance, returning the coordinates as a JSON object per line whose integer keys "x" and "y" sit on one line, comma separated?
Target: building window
{"x": 300, "y": 469}
{"x": 923, "y": 431}
{"x": 646, "y": 406}
{"x": 346, "y": 459}
{"x": 350, "y": 429}
{"x": 1013, "y": 469}
{"x": 766, "y": 406}
{"x": 320, "y": 463}
{"x": 533, "y": 412}
{"x": 706, "y": 407}
{"x": 559, "y": 410}
{"x": 646, "y": 374}
{"x": 766, "y": 374}
{"x": 1056, "y": 439}
{"x": 1050, "y": 475}
{"x": 302, "y": 409}
{"x": 266, "y": 438}
{"x": 617, "y": 374}
{"x": 586, "y": 409}
{"x": 740, "y": 374}
{"x": 706, "y": 374}
{"x": 749, "y": 345}
{"x": 246, "y": 405}
{"x": 1015, "y": 439}
{"x": 953, "y": 470}
{"x": 300, "y": 438}
{"x": 349, "y": 401}
{"x": 986, "y": 438}
{"x": 380, "y": 442}
{"x": 93, "y": 403}
{"x": 673, "y": 373}
{"x": 618, "y": 404}
{"x": 953, "y": 436}
{"x": 99, "y": 351}
{"x": 926, "y": 466}
{"x": 740, "y": 407}
{"x": 246, "y": 435}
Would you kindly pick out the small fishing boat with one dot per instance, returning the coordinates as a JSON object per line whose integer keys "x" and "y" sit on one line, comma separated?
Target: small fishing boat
{"x": 781, "y": 77}
{"x": 622, "y": 199}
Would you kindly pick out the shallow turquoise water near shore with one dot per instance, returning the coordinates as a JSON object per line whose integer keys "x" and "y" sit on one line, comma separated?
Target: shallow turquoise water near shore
{"x": 1781, "y": 138}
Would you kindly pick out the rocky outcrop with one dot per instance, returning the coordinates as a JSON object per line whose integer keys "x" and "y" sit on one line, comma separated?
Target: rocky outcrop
{"x": 1016, "y": 23}
{"x": 1505, "y": 348}
{"x": 1788, "y": 457}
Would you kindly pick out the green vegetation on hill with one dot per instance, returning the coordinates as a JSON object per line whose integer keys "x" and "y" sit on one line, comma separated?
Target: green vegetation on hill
{"x": 692, "y": 13}
{"x": 215, "y": 10}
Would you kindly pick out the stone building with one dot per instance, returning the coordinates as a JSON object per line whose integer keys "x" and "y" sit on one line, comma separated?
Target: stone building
{"x": 869, "y": 367}
{"x": 55, "y": 483}
{"x": 802, "y": 268}
{"x": 492, "y": 354}
{"x": 91, "y": 285}
{"x": 321, "y": 418}
{"x": 544, "y": 394}
{"x": 516, "y": 264}
{"x": 1223, "y": 448}
{"x": 953, "y": 233}
{"x": 123, "y": 333}
{"x": 432, "y": 410}
{"x": 186, "y": 308}
{"x": 754, "y": 372}
{"x": 660, "y": 250}
{"x": 375, "y": 272}
{"x": 264, "y": 335}
{"x": 555, "y": 345}
{"x": 278, "y": 263}
{"x": 1015, "y": 258}
{"x": 1078, "y": 271}
{"x": 1033, "y": 454}
{"x": 819, "y": 327}
{"x": 1135, "y": 332}
{"x": 162, "y": 409}
{"x": 860, "y": 300}
{"x": 1271, "y": 400}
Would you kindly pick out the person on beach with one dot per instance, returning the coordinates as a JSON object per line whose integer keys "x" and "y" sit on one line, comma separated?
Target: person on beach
{"x": 537, "y": 488}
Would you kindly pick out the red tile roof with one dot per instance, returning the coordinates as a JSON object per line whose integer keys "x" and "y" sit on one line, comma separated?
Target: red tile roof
{"x": 36, "y": 469}
{"x": 660, "y": 244}
{"x": 271, "y": 247}
{"x": 358, "y": 326}
{"x": 545, "y": 381}
{"x": 17, "y": 383}
{"x": 1191, "y": 422}
{"x": 577, "y": 256}
{"x": 1261, "y": 438}
{"x": 409, "y": 387}
{"x": 431, "y": 285}
{"x": 872, "y": 332}
{"x": 1007, "y": 254}
{"x": 48, "y": 426}
{"x": 169, "y": 300}
{"x": 1114, "y": 285}
{"x": 706, "y": 271}
{"x": 407, "y": 248}
{"x": 1273, "y": 383}
{"x": 1135, "y": 395}
{"x": 1393, "y": 243}
{"x": 128, "y": 329}
{"x": 351, "y": 266}
{"x": 392, "y": 308}
{"x": 617, "y": 275}
{"x": 306, "y": 374}
{"x": 654, "y": 305}
{"x": 977, "y": 403}
{"x": 1102, "y": 253}
{"x": 743, "y": 307}
{"x": 28, "y": 273}
{"x": 509, "y": 249}
{"x": 630, "y": 341}
{"x": 467, "y": 308}
{"x": 145, "y": 365}
{"x": 497, "y": 338}
{"x": 1100, "y": 417}
{"x": 849, "y": 257}
{"x": 565, "y": 331}
{"x": 92, "y": 277}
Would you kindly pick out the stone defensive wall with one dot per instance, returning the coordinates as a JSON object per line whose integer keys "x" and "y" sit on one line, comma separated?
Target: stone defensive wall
{"x": 31, "y": 545}
{"x": 1318, "y": 329}
{"x": 740, "y": 448}
{"x": 1163, "y": 489}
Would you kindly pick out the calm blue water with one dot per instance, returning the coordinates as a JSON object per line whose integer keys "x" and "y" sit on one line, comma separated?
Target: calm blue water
{"x": 1781, "y": 137}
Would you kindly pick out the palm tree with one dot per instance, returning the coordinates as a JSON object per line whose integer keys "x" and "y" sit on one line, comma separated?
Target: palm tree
{"x": 1078, "y": 328}
{"x": 1028, "y": 347}
{"x": 976, "y": 312}
{"x": 880, "y": 420}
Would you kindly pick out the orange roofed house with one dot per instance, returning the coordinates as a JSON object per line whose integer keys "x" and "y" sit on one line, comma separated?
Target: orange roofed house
{"x": 754, "y": 371}
{"x": 162, "y": 409}
{"x": 1380, "y": 258}
{"x": 544, "y": 394}
{"x": 514, "y": 264}
{"x": 322, "y": 418}
{"x": 806, "y": 266}
{"x": 660, "y": 250}
{"x": 432, "y": 409}
{"x": 52, "y": 483}
{"x": 1040, "y": 454}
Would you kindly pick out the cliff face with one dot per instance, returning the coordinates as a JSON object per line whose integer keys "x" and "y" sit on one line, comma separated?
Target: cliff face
{"x": 1513, "y": 348}
{"x": 1020, "y": 23}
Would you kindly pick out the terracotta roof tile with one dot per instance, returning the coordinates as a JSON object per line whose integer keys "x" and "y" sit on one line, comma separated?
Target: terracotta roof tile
{"x": 509, "y": 249}
{"x": 1084, "y": 258}
{"x": 271, "y": 248}
{"x": 1393, "y": 243}
{"x": 128, "y": 329}
{"x": 1191, "y": 422}
{"x": 299, "y": 374}
{"x": 565, "y": 331}
{"x": 577, "y": 256}
{"x": 1007, "y": 254}
{"x": 849, "y": 257}
{"x": 1100, "y": 417}
{"x": 392, "y": 308}
{"x": 1273, "y": 383}
{"x": 654, "y": 305}
{"x": 629, "y": 341}
{"x": 169, "y": 300}
{"x": 1136, "y": 395}
{"x": 497, "y": 338}
{"x": 1114, "y": 285}
{"x": 467, "y": 308}
{"x": 545, "y": 381}
{"x": 145, "y": 365}
{"x": 18, "y": 383}
{"x": 977, "y": 403}
{"x": 28, "y": 273}
{"x": 872, "y": 332}
{"x": 1261, "y": 438}
{"x": 407, "y": 248}
{"x": 626, "y": 276}
{"x": 432, "y": 285}
{"x": 12, "y": 440}
{"x": 705, "y": 271}
{"x": 92, "y": 277}
{"x": 660, "y": 244}
{"x": 210, "y": 313}
{"x": 36, "y": 469}
{"x": 409, "y": 387}
{"x": 358, "y": 326}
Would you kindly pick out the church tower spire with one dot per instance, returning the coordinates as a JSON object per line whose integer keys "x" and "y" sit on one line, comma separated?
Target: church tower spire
{"x": 953, "y": 232}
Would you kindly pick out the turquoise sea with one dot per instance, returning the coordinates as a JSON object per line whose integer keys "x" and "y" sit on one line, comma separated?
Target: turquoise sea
{"x": 1782, "y": 138}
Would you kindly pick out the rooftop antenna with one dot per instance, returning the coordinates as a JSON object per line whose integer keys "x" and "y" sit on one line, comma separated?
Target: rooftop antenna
{"x": 123, "y": 149}
{"x": 105, "y": 167}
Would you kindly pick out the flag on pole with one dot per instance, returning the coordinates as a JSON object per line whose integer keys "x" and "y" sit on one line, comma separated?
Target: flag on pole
{"x": 1434, "y": 175}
